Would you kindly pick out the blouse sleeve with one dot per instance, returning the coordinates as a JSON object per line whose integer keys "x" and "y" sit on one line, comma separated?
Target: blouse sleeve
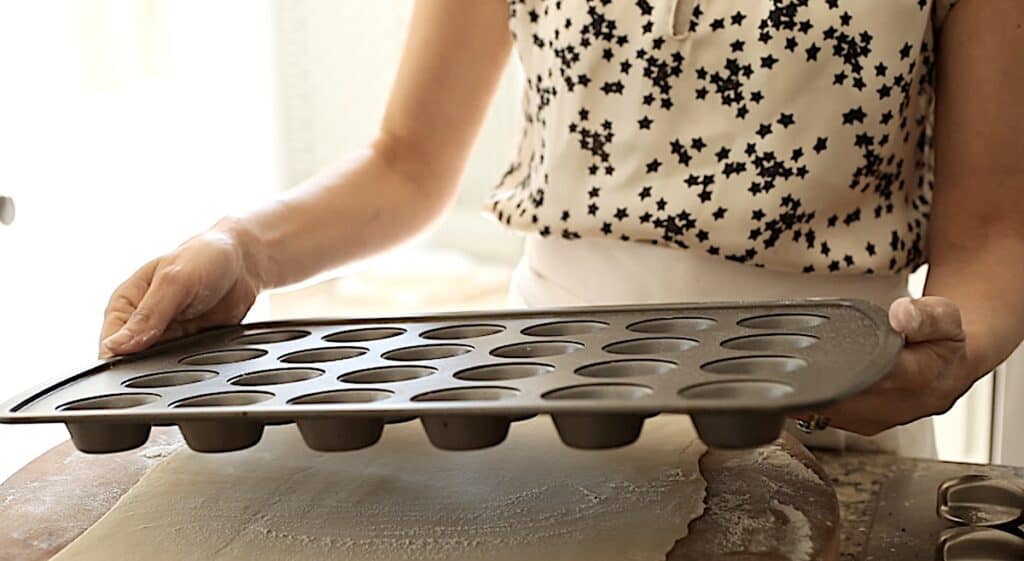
{"x": 942, "y": 8}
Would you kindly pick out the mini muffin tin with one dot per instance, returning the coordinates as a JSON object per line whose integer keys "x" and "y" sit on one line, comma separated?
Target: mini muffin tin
{"x": 989, "y": 514}
{"x": 736, "y": 368}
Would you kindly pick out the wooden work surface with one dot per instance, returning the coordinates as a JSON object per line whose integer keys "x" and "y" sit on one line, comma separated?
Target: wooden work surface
{"x": 52, "y": 500}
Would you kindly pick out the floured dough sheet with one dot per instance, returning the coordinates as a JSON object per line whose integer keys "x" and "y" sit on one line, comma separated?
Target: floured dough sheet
{"x": 528, "y": 498}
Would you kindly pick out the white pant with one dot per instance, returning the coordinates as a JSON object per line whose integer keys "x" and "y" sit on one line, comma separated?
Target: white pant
{"x": 590, "y": 272}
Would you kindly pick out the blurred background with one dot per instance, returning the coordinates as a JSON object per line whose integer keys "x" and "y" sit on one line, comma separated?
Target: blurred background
{"x": 128, "y": 125}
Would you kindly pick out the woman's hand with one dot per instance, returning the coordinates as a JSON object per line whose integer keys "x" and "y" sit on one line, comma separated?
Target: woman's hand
{"x": 205, "y": 282}
{"x": 930, "y": 375}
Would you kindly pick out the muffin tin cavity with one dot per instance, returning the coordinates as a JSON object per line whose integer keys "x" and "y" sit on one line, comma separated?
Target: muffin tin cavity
{"x": 226, "y": 356}
{"x": 738, "y": 370}
{"x": 467, "y": 331}
{"x": 169, "y": 379}
{"x": 537, "y": 349}
{"x": 387, "y": 374}
{"x": 651, "y": 346}
{"x": 323, "y": 354}
{"x": 755, "y": 365}
{"x": 672, "y": 326}
{"x": 477, "y": 393}
{"x": 362, "y": 335}
{"x": 626, "y": 368}
{"x": 784, "y": 321}
{"x": 751, "y": 390}
{"x": 565, "y": 328}
{"x": 624, "y": 392}
{"x": 342, "y": 396}
{"x": 506, "y": 371}
{"x": 224, "y": 399}
{"x": 113, "y": 401}
{"x": 427, "y": 352}
{"x": 268, "y": 337}
{"x": 778, "y": 342}
{"x": 276, "y": 376}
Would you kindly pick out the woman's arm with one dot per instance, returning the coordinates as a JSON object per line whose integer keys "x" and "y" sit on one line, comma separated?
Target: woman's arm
{"x": 453, "y": 58}
{"x": 972, "y": 315}
{"x": 976, "y": 239}
{"x": 454, "y": 55}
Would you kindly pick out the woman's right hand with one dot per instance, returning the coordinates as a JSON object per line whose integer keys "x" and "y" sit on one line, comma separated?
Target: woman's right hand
{"x": 208, "y": 281}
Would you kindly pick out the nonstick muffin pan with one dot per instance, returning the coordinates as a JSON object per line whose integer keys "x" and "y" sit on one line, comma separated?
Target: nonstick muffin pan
{"x": 737, "y": 368}
{"x": 989, "y": 513}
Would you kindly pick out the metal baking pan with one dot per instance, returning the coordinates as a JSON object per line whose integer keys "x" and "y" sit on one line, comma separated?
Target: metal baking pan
{"x": 980, "y": 500}
{"x": 966, "y": 543}
{"x": 736, "y": 368}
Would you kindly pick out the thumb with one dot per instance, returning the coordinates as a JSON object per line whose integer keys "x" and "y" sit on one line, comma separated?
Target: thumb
{"x": 927, "y": 319}
{"x": 166, "y": 297}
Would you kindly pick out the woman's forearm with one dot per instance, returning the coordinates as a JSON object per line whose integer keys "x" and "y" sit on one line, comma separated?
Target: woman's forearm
{"x": 976, "y": 234}
{"x": 363, "y": 205}
{"x": 453, "y": 59}
{"x": 985, "y": 284}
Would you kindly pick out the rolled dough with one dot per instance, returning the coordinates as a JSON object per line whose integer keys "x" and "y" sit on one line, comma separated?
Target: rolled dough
{"x": 528, "y": 498}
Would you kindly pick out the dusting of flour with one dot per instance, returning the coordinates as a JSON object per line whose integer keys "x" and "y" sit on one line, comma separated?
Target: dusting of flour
{"x": 798, "y": 539}
{"x": 747, "y": 481}
{"x": 401, "y": 499}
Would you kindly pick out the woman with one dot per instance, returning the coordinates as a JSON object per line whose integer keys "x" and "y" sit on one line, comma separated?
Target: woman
{"x": 685, "y": 150}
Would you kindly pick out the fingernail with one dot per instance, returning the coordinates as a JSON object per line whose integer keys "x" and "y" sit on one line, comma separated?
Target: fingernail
{"x": 117, "y": 340}
{"x": 912, "y": 317}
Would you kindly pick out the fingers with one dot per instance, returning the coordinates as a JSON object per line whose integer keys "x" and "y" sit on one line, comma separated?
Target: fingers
{"x": 123, "y": 302}
{"x": 930, "y": 318}
{"x": 927, "y": 379}
{"x": 167, "y": 295}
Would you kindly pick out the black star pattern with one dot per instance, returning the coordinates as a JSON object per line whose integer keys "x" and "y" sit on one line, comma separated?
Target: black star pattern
{"x": 610, "y": 52}
{"x": 855, "y": 115}
{"x": 680, "y": 152}
{"x": 812, "y": 52}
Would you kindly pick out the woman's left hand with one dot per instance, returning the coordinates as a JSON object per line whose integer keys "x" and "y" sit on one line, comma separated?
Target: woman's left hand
{"x": 930, "y": 375}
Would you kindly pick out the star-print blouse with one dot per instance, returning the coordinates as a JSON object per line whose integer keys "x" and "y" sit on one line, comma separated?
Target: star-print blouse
{"x": 788, "y": 134}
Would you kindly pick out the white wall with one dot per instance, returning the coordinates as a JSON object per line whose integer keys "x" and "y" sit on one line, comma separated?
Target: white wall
{"x": 126, "y": 127}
